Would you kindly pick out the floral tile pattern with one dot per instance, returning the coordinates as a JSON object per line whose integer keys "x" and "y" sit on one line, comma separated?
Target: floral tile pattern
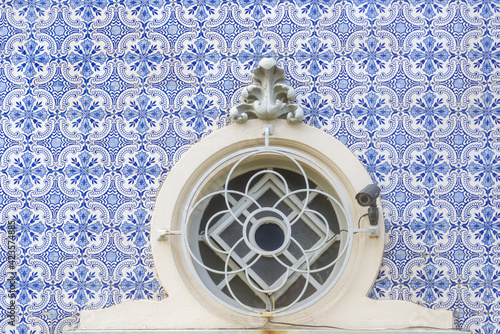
{"x": 99, "y": 99}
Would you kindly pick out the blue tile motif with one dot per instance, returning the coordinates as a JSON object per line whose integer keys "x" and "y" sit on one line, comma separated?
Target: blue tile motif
{"x": 99, "y": 99}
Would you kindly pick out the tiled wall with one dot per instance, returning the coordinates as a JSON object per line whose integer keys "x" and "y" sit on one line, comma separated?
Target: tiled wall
{"x": 100, "y": 98}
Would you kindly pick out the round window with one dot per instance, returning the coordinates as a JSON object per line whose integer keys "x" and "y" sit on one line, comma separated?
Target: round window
{"x": 265, "y": 232}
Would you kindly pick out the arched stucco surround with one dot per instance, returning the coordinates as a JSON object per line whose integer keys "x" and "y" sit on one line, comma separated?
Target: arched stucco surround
{"x": 190, "y": 306}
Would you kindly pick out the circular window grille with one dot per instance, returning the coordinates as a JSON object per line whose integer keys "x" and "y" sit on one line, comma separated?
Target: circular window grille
{"x": 265, "y": 233}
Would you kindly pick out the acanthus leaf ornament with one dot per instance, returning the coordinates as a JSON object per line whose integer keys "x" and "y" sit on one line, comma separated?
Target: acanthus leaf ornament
{"x": 268, "y": 97}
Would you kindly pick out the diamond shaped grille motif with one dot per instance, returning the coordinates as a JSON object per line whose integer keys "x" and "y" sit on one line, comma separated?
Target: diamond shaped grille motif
{"x": 281, "y": 208}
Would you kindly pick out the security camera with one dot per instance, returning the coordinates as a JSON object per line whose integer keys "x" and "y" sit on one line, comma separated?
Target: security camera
{"x": 368, "y": 197}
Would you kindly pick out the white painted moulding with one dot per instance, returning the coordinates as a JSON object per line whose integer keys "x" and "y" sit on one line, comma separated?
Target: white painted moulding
{"x": 264, "y": 331}
{"x": 188, "y": 306}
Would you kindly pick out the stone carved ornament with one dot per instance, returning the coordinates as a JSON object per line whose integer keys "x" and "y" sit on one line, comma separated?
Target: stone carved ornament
{"x": 268, "y": 97}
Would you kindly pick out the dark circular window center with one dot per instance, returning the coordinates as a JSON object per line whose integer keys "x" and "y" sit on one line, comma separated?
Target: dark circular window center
{"x": 269, "y": 237}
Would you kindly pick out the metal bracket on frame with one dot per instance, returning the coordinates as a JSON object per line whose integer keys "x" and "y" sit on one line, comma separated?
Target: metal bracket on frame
{"x": 373, "y": 230}
{"x": 267, "y": 130}
{"x": 163, "y": 234}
